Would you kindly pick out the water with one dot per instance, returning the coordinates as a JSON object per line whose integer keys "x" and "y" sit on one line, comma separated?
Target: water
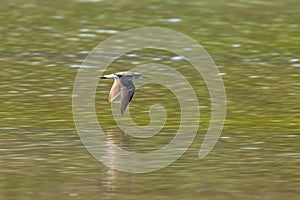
{"x": 255, "y": 45}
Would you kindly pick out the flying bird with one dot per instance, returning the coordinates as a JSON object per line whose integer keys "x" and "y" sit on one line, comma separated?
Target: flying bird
{"x": 123, "y": 84}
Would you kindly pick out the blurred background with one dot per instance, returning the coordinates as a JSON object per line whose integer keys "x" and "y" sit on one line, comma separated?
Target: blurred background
{"x": 255, "y": 45}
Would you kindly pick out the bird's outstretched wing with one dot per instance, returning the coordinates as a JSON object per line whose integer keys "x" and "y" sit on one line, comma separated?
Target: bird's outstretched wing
{"x": 114, "y": 91}
{"x": 126, "y": 96}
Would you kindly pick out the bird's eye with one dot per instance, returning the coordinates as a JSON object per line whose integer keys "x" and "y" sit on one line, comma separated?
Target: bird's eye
{"x": 119, "y": 75}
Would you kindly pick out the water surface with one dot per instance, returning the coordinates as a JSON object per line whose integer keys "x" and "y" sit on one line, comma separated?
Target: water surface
{"x": 255, "y": 45}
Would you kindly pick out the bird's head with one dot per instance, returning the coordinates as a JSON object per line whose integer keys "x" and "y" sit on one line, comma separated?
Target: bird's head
{"x": 138, "y": 75}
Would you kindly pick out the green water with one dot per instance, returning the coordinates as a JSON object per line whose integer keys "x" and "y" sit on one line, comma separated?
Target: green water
{"x": 255, "y": 45}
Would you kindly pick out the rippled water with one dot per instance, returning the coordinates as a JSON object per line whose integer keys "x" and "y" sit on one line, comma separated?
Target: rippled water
{"x": 255, "y": 45}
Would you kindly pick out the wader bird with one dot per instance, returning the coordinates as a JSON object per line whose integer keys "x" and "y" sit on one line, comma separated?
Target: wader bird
{"x": 123, "y": 84}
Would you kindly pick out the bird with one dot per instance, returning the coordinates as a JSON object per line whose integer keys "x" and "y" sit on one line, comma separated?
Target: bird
{"x": 123, "y": 83}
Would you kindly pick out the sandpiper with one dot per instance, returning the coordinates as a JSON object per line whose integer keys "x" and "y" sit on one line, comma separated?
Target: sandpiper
{"x": 123, "y": 84}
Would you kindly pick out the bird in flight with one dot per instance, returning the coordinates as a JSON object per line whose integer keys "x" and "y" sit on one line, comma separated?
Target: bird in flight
{"x": 123, "y": 84}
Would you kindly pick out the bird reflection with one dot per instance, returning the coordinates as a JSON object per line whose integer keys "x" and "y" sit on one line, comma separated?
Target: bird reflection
{"x": 112, "y": 175}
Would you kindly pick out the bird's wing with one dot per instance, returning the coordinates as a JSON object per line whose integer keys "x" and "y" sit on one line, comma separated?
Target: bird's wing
{"x": 126, "y": 96}
{"x": 114, "y": 91}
